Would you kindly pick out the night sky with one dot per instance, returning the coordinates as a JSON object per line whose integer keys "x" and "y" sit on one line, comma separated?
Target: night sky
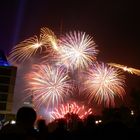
{"x": 114, "y": 25}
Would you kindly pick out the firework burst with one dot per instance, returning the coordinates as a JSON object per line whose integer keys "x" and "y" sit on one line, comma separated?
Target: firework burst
{"x": 49, "y": 85}
{"x": 77, "y": 50}
{"x": 25, "y": 49}
{"x": 70, "y": 108}
{"x": 104, "y": 83}
{"x": 125, "y": 68}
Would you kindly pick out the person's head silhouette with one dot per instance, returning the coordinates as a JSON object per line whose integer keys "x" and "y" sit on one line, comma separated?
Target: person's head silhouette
{"x": 26, "y": 116}
{"x": 24, "y": 127}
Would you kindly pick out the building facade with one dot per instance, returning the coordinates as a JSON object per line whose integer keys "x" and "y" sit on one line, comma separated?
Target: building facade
{"x": 7, "y": 84}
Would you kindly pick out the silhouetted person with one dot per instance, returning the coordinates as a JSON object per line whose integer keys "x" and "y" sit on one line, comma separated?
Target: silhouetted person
{"x": 60, "y": 132}
{"x": 24, "y": 127}
{"x": 117, "y": 128}
{"x": 43, "y": 129}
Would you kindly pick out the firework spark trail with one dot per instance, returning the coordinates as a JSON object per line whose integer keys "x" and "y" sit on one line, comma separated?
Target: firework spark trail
{"x": 103, "y": 83}
{"x": 49, "y": 85}
{"x": 71, "y": 108}
{"x": 25, "y": 49}
{"x": 125, "y": 68}
{"x": 50, "y": 38}
{"x": 77, "y": 50}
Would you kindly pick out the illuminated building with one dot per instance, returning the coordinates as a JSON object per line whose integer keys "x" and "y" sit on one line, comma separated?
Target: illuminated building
{"x": 7, "y": 84}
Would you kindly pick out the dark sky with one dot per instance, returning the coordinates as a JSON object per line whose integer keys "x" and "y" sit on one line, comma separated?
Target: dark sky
{"x": 114, "y": 24}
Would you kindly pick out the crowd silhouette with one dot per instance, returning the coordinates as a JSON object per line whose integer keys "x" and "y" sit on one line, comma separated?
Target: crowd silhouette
{"x": 116, "y": 123}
